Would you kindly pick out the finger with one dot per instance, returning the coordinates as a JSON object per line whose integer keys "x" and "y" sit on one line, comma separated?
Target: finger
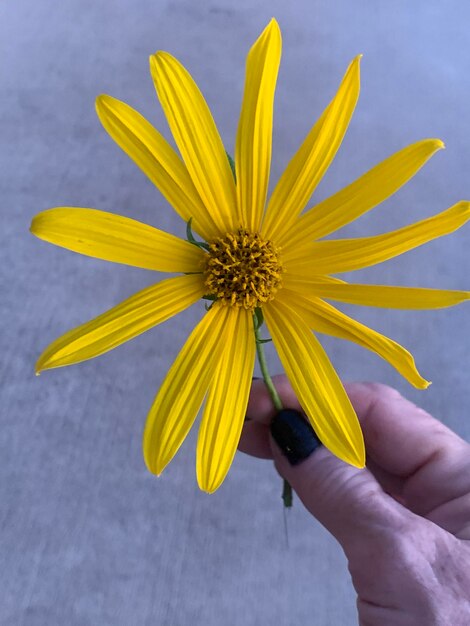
{"x": 348, "y": 501}
{"x": 254, "y": 440}
{"x": 432, "y": 462}
{"x": 400, "y": 563}
{"x": 391, "y": 484}
{"x": 255, "y": 436}
{"x": 260, "y": 405}
{"x": 401, "y": 437}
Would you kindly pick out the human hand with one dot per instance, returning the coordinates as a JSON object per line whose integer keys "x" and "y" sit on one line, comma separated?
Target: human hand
{"x": 403, "y": 522}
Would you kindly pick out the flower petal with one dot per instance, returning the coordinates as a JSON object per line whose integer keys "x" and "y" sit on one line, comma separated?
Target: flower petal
{"x": 197, "y": 138}
{"x": 225, "y": 409}
{"x": 363, "y": 194}
{"x": 254, "y": 136}
{"x": 313, "y": 158}
{"x": 180, "y": 397}
{"x": 116, "y": 238}
{"x": 157, "y": 159}
{"x": 376, "y": 295}
{"x": 324, "y": 318}
{"x": 142, "y": 311}
{"x": 315, "y": 383}
{"x": 344, "y": 255}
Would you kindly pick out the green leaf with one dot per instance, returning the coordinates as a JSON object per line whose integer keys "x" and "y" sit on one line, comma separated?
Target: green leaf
{"x": 232, "y": 165}
{"x": 191, "y": 239}
{"x": 258, "y": 318}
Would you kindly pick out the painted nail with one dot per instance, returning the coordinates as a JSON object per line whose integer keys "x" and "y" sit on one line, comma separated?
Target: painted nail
{"x": 294, "y": 435}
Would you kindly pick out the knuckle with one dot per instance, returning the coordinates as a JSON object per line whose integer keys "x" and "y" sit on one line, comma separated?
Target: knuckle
{"x": 382, "y": 391}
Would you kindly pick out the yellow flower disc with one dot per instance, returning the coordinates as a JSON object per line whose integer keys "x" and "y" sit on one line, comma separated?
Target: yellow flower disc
{"x": 242, "y": 269}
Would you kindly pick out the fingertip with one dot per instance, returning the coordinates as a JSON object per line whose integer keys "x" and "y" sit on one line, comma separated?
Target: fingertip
{"x": 347, "y": 501}
{"x": 254, "y": 440}
{"x": 260, "y": 407}
{"x": 260, "y": 404}
{"x": 294, "y": 435}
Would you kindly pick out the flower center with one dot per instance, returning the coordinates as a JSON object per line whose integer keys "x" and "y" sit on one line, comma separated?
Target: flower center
{"x": 241, "y": 269}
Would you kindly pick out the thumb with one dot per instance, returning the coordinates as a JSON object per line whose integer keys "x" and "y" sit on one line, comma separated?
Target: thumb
{"x": 348, "y": 501}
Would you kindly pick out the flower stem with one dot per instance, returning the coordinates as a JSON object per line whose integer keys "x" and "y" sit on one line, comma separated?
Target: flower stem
{"x": 268, "y": 381}
{"x": 264, "y": 371}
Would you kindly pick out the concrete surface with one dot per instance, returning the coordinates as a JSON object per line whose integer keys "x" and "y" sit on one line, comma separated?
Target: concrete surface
{"x": 87, "y": 536}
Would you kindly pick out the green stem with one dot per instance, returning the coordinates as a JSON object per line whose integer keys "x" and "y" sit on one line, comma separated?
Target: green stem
{"x": 265, "y": 373}
{"x": 268, "y": 381}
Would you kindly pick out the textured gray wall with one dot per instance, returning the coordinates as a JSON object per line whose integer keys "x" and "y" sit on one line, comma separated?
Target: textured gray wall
{"x": 88, "y": 537}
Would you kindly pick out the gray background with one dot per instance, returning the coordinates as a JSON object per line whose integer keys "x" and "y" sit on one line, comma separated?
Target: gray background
{"x": 88, "y": 537}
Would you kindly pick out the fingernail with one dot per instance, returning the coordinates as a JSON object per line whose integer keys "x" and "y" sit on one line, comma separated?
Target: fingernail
{"x": 294, "y": 435}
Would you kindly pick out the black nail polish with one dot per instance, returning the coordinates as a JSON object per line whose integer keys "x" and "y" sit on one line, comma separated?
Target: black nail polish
{"x": 294, "y": 435}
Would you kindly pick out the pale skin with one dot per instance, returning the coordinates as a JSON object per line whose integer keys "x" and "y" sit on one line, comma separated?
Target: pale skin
{"x": 403, "y": 522}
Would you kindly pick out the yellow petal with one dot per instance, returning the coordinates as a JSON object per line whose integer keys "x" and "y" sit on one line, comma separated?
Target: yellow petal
{"x": 324, "y": 318}
{"x": 376, "y": 295}
{"x": 363, "y": 194}
{"x": 313, "y": 158}
{"x": 225, "y": 409}
{"x": 116, "y": 238}
{"x": 344, "y": 255}
{"x": 254, "y": 136}
{"x": 157, "y": 159}
{"x": 315, "y": 383}
{"x": 142, "y": 311}
{"x": 197, "y": 138}
{"x": 180, "y": 397}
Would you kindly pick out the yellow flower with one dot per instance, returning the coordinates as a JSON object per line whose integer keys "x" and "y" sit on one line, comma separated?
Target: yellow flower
{"x": 258, "y": 255}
